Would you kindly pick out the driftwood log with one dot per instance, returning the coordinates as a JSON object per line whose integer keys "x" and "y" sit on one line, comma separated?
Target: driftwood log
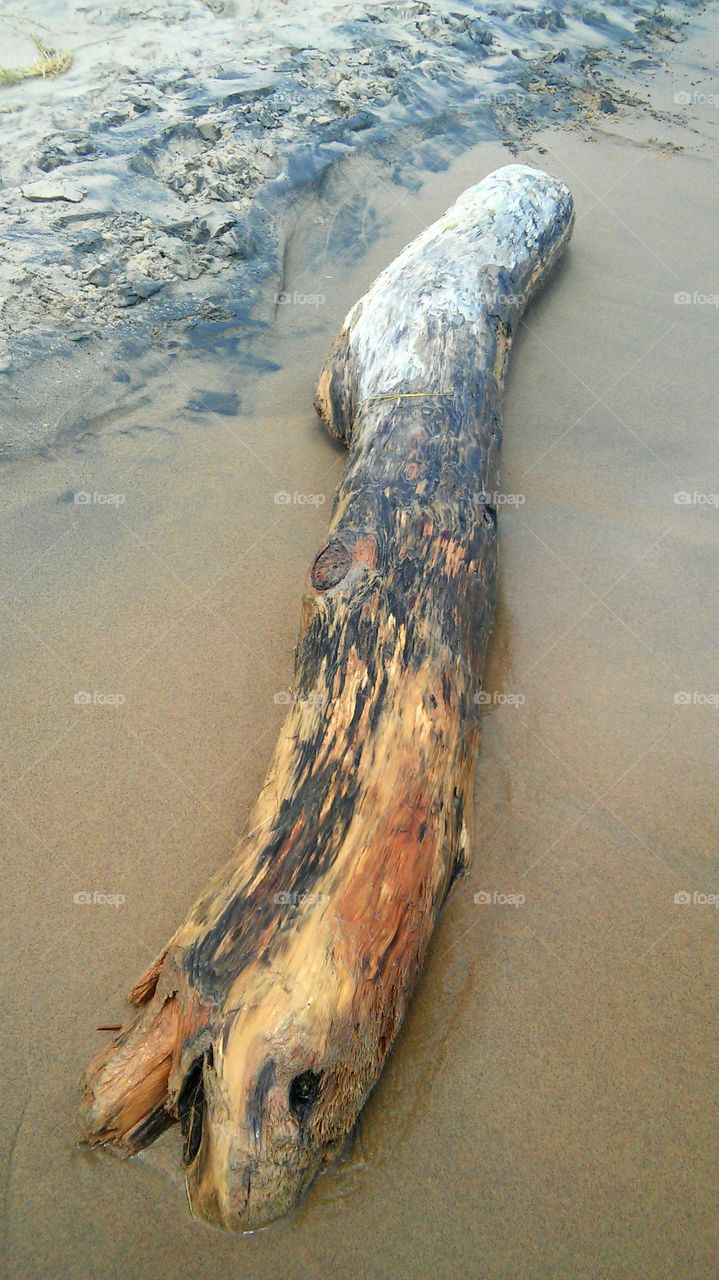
{"x": 265, "y": 1022}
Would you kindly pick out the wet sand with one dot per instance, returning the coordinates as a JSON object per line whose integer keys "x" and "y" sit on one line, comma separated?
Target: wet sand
{"x": 547, "y": 1111}
{"x": 154, "y": 184}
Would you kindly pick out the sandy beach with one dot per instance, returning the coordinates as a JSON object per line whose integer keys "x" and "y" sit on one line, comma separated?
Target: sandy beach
{"x": 547, "y": 1109}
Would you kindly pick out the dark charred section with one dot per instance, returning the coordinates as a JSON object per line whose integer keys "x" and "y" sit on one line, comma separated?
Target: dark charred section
{"x": 300, "y": 848}
{"x": 490, "y": 516}
{"x": 440, "y": 599}
{"x": 152, "y": 1126}
{"x": 265, "y": 1080}
{"x": 191, "y": 1108}
{"x": 303, "y": 1094}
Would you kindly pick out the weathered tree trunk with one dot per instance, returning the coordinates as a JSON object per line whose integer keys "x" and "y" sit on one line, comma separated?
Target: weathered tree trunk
{"x": 266, "y": 1021}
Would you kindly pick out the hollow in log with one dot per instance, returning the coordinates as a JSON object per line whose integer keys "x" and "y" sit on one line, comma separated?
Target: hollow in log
{"x": 265, "y": 1022}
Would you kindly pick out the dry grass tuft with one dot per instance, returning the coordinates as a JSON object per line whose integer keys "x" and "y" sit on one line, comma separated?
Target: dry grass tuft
{"x": 51, "y": 62}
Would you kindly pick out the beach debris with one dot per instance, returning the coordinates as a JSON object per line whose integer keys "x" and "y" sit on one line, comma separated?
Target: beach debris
{"x": 50, "y": 62}
{"x": 137, "y": 289}
{"x": 54, "y": 189}
{"x": 266, "y": 1021}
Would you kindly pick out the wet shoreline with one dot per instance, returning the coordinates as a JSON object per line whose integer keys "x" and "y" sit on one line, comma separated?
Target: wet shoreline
{"x": 159, "y": 204}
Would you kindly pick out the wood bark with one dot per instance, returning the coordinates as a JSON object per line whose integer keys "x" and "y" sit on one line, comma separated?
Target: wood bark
{"x": 266, "y": 1021}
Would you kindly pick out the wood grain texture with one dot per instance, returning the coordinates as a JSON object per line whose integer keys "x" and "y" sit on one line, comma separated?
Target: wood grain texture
{"x": 266, "y": 1021}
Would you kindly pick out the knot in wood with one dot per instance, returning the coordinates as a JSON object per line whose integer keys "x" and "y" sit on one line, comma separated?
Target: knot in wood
{"x": 331, "y": 566}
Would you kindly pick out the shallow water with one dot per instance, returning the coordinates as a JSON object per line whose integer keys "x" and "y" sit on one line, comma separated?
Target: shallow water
{"x": 546, "y": 1111}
